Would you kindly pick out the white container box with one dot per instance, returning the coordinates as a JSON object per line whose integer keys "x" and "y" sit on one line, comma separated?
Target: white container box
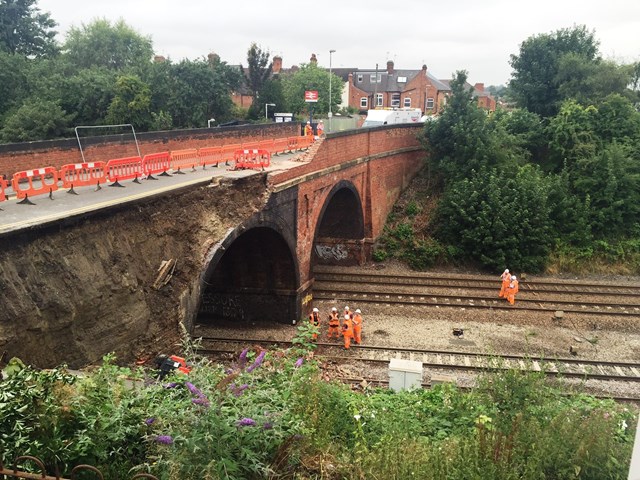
{"x": 404, "y": 374}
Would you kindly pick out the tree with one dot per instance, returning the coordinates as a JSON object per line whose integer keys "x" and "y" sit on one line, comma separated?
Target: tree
{"x": 36, "y": 120}
{"x": 498, "y": 218}
{"x": 24, "y": 30}
{"x": 272, "y": 92}
{"x": 311, "y": 77}
{"x": 256, "y": 75}
{"x": 13, "y": 81}
{"x": 534, "y": 83}
{"x": 100, "y": 44}
{"x": 460, "y": 140}
{"x": 131, "y": 103}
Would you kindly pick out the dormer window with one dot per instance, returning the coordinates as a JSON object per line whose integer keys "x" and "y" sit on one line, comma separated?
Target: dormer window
{"x": 402, "y": 79}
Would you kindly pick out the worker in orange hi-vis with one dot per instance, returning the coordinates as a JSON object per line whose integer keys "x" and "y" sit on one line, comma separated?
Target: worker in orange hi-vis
{"x": 348, "y": 312}
{"x": 308, "y": 130}
{"x": 357, "y": 326}
{"x": 506, "y": 280}
{"x": 314, "y": 318}
{"x": 512, "y": 290}
{"x": 516, "y": 284}
{"x": 334, "y": 323}
{"x": 347, "y": 331}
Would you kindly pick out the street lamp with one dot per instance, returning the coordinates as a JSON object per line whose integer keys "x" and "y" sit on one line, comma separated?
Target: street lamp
{"x": 330, "y": 75}
{"x": 210, "y": 121}
{"x": 266, "y": 108}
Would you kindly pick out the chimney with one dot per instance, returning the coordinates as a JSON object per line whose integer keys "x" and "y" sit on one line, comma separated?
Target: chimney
{"x": 214, "y": 59}
{"x": 159, "y": 59}
{"x": 277, "y": 64}
{"x": 313, "y": 59}
{"x": 479, "y": 87}
{"x": 424, "y": 69}
{"x": 390, "y": 67}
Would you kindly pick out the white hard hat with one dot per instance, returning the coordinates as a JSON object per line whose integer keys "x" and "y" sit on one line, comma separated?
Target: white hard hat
{"x": 514, "y": 277}
{"x": 316, "y": 310}
{"x": 346, "y": 308}
{"x": 507, "y": 270}
{"x": 334, "y": 309}
{"x": 358, "y": 310}
{"x": 346, "y": 317}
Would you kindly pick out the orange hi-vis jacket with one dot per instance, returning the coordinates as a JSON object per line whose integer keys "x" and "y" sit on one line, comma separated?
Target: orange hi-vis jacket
{"x": 506, "y": 280}
{"x": 347, "y": 331}
{"x": 357, "y": 327}
{"x": 334, "y": 320}
{"x": 516, "y": 286}
{"x": 314, "y": 318}
{"x": 511, "y": 293}
{"x": 308, "y": 130}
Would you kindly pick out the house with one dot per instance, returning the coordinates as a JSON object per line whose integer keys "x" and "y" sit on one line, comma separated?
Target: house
{"x": 393, "y": 88}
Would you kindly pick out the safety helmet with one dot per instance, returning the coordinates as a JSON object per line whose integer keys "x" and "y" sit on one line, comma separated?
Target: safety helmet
{"x": 358, "y": 310}
{"x": 506, "y": 271}
{"x": 346, "y": 308}
{"x": 514, "y": 277}
{"x": 346, "y": 316}
{"x": 334, "y": 309}
{"x": 316, "y": 310}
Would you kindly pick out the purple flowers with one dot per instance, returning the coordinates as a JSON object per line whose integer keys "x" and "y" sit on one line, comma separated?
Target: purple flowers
{"x": 203, "y": 401}
{"x": 299, "y": 362}
{"x": 164, "y": 439}
{"x": 238, "y": 390}
{"x": 149, "y": 421}
{"x": 192, "y": 388}
{"x": 246, "y": 422}
{"x": 267, "y": 426}
{"x": 257, "y": 362}
{"x": 243, "y": 357}
{"x": 171, "y": 385}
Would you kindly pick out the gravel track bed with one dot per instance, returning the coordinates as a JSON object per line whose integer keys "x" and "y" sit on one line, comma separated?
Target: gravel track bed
{"x": 608, "y": 338}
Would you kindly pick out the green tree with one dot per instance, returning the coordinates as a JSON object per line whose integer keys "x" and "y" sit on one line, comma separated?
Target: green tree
{"x": 25, "y": 30}
{"x": 311, "y": 77}
{"x": 272, "y": 92}
{"x": 461, "y": 140}
{"x": 535, "y": 80}
{"x": 498, "y": 218}
{"x": 13, "y": 81}
{"x": 131, "y": 103}
{"x": 256, "y": 75}
{"x": 101, "y": 44}
{"x": 36, "y": 120}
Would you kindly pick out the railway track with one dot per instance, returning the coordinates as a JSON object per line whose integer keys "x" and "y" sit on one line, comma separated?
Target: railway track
{"x": 436, "y": 291}
{"x": 449, "y": 360}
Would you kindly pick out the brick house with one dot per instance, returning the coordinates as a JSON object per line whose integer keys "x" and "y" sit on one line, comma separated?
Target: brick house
{"x": 393, "y": 88}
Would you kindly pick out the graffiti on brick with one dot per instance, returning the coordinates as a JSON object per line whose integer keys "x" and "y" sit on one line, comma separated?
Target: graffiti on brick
{"x": 226, "y": 306}
{"x": 336, "y": 252}
{"x": 308, "y": 298}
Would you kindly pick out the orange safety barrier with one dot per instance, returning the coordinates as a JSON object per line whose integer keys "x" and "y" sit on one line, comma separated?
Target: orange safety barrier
{"x": 253, "y": 158}
{"x": 210, "y": 156}
{"x": 3, "y": 187}
{"x": 305, "y": 142}
{"x": 267, "y": 145}
{"x": 156, "y": 163}
{"x": 228, "y": 152}
{"x": 181, "y": 159}
{"x": 280, "y": 145}
{"x": 47, "y": 176}
{"x": 292, "y": 143}
{"x": 251, "y": 146}
{"x": 124, "y": 168}
{"x": 83, "y": 174}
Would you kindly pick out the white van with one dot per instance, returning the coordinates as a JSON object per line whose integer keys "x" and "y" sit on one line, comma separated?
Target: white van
{"x": 392, "y": 116}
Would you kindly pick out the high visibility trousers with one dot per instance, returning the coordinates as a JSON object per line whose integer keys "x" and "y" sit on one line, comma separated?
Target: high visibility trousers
{"x": 357, "y": 331}
{"x": 347, "y": 341}
{"x": 333, "y": 330}
{"x": 511, "y": 297}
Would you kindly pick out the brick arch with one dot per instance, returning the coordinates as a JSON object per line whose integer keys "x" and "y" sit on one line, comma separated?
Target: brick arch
{"x": 253, "y": 275}
{"x": 340, "y": 227}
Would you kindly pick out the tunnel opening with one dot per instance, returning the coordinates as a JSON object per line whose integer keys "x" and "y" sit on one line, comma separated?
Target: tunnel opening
{"x": 340, "y": 231}
{"x": 254, "y": 280}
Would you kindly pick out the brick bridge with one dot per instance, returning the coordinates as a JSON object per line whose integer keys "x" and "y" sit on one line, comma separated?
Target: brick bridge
{"x": 83, "y": 287}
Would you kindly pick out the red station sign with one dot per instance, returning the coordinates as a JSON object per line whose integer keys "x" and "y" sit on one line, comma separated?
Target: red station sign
{"x": 311, "y": 96}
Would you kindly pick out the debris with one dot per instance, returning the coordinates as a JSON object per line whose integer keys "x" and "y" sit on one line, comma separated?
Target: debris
{"x": 573, "y": 350}
{"x": 165, "y": 272}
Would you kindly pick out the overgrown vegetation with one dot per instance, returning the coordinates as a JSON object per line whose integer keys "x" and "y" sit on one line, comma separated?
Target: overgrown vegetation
{"x": 271, "y": 415}
{"x": 553, "y": 185}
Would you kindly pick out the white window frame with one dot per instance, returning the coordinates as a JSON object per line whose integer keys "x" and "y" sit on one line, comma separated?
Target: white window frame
{"x": 379, "y": 100}
{"x": 407, "y": 102}
{"x": 395, "y": 100}
{"x": 364, "y": 101}
{"x": 360, "y": 77}
{"x": 430, "y": 103}
{"x": 373, "y": 78}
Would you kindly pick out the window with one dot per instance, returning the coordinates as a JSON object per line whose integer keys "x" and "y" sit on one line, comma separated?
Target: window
{"x": 430, "y": 103}
{"x": 407, "y": 102}
{"x": 379, "y": 100}
{"x": 374, "y": 79}
{"x": 402, "y": 79}
{"x": 359, "y": 78}
{"x": 395, "y": 99}
{"x": 363, "y": 102}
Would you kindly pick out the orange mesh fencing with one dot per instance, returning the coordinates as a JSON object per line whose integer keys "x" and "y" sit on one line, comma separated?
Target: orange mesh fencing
{"x": 83, "y": 174}
{"x": 181, "y": 159}
{"x": 35, "y": 182}
{"x": 156, "y": 163}
{"x": 210, "y": 156}
{"x": 124, "y": 168}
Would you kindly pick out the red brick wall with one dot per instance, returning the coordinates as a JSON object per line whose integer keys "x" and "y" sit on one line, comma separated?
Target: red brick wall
{"x": 378, "y": 181}
{"x": 55, "y": 153}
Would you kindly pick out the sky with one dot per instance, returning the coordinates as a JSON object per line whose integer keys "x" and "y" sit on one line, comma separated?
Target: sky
{"x": 470, "y": 35}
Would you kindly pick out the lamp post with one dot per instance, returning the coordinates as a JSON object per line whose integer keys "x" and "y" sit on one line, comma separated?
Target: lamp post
{"x": 266, "y": 108}
{"x": 330, "y": 75}
{"x": 210, "y": 121}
